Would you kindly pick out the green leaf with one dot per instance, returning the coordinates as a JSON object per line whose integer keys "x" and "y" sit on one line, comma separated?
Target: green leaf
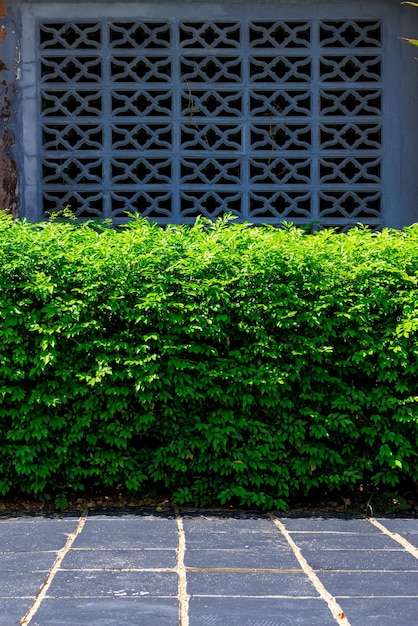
{"x": 414, "y": 42}
{"x": 61, "y": 501}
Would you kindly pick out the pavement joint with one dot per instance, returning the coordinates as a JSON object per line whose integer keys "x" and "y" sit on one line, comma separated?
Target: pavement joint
{"x": 48, "y": 580}
{"x": 396, "y": 537}
{"x": 243, "y": 570}
{"x": 332, "y": 603}
{"x": 181, "y": 571}
{"x": 158, "y": 570}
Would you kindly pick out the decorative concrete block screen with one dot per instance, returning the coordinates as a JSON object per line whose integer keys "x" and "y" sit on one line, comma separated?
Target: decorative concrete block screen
{"x": 270, "y": 119}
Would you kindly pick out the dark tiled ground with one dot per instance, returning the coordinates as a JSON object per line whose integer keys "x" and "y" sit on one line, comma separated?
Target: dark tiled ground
{"x": 207, "y": 570}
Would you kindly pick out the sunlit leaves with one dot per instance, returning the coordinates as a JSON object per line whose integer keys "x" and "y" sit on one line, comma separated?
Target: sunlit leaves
{"x": 219, "y": 363}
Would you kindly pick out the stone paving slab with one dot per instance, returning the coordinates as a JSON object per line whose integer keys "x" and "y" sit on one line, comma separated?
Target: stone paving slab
{"x": 85, "y": 584}
{"x": 207, "y": 537}
{"x": 403, "y": 525}
{"x": 107, "y": 612}
{"x": 381, "y": 611}
{"x": 395, "y": 560}
{"x": 208, "y": 569}
{"x": 26, "y": 561}
{"x": 275, "y": 558}
{"x": 39, "y": 534}
{"x": 345, "y": 541}
{"x": 249, "y": 584}
{"x": 378, "y": 584}
{"x": 21, "y": 583}
{"x": 239, "y": 541}
{"x": 102, "y": 559}
{"x": 327, "y": 525}
{"x": 407, "y": 528}
{"x": 230, "y": 526}
{"x": 258, "y": 612}
{"x": 12, "y": 610}
{"x": 127, "y": 533}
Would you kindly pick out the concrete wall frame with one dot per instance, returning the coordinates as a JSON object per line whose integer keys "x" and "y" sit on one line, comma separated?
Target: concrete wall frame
{"x": 274, "y": 110}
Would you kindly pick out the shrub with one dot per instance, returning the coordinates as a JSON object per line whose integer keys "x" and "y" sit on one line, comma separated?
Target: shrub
{"x": 219, "y": 362}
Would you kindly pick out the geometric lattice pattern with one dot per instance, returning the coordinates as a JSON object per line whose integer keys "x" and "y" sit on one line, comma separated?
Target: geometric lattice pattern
{"x": 271, "y": 120}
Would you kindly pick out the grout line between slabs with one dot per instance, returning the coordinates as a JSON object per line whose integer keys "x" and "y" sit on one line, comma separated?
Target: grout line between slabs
{"x": 123, "y": 570}
{"x": 181, "y": 572}
{"x": 130, "y": 550}
{"x": 114, "y": 596}
{"x": 56, "y": 566}
{"x": 243, "y": 570}
{"x": 396, "y": 537}
{"x": 358, "y": 549}
{"x": 376, "y": 597}
{"x": 256, "y": 597}
{"x": 333, "y": 605}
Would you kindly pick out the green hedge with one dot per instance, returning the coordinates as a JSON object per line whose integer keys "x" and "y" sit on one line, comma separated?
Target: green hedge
{"x": 220, "y": 363}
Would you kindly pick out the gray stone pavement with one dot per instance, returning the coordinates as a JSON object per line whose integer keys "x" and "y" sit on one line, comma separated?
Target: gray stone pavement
{"x": 199, "y": 568}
